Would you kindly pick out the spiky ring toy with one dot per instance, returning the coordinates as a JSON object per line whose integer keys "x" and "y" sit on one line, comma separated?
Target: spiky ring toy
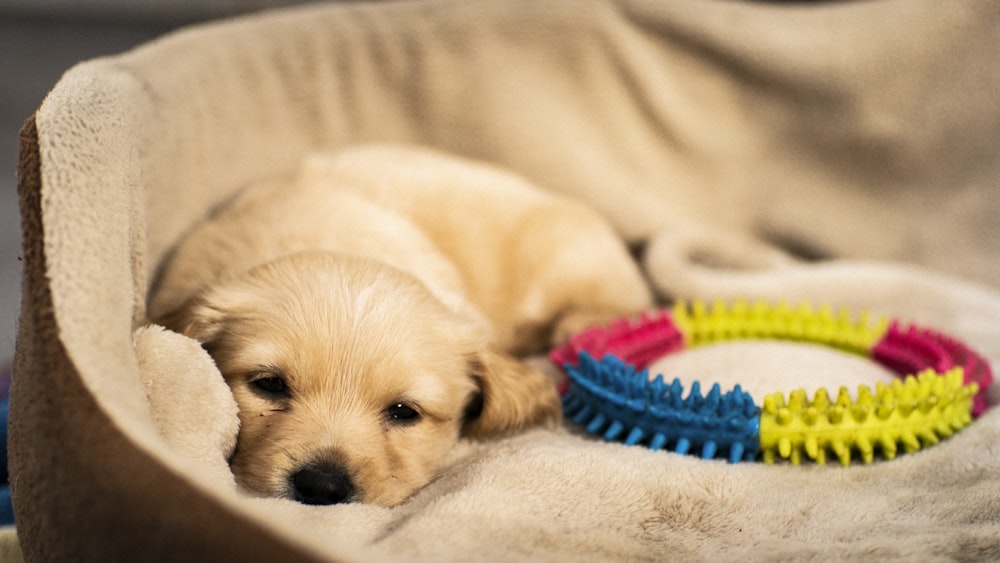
{"x": 941, "y": 386}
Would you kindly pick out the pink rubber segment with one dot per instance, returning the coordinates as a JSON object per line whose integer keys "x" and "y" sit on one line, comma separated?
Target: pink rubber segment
{"x": 912, "y": 349}
{"x": 637, "y": 342}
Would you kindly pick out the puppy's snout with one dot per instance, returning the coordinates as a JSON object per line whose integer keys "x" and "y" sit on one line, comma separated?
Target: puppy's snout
{"x": 322, "y": 484}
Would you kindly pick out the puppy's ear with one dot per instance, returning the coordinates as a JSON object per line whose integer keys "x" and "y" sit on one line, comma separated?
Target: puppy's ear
{"x": 197, "y": 319}
{"x": 511, "y": 397}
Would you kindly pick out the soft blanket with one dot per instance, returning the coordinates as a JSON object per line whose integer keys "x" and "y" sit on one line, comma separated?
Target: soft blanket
{"x": 840, "y": 153}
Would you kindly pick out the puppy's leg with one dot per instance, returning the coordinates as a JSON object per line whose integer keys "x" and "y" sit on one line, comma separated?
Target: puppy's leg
{"x": 577, "y": 320}
{"x": 578, "y": 273}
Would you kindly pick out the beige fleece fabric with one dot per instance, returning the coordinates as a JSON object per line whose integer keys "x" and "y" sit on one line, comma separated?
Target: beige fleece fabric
{"x": 837, "y": 152}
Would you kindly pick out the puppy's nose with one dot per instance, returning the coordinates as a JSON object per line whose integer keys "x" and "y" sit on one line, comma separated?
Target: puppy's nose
{"x": 322, "y": 484}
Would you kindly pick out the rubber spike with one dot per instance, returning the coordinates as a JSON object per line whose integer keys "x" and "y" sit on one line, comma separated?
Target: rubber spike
{"x": 784, "y": 416}
{"x": 683, "y": 446}
{"x": 944, "y": 429}
{"x": 714, "y": 397}
{"x": 836, "y": 414}
{"x": 634, "y": 436}
{"x": 811, "y": 416}
{"x": 658, "y": 441}
{"x": 582, "y": 415}
{"x": 864, "y": 447}
{"x": 614, "y": 430}
{"x": 570, "y": 404}
{"x": 842, "y": 452}
{"x": 909, "y": 441}
{"x": 928, "y": 437}
{"x": 860, "y": 412}
{"x": 888, "y": 445}
{"x": 597, "y": 423}
{"x": 736, "y": 452}
{"x": 812, "y": 447}
{"x": 708, "y": 450}
{"x": 821, "y": 399}
{"x": 785, "y": 447}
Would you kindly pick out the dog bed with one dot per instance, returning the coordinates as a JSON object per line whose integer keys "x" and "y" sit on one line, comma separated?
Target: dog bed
{"x": 839, "y": 153}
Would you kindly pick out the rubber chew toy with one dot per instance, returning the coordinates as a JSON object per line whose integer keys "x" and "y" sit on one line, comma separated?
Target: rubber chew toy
{"x": 941, "y": 386}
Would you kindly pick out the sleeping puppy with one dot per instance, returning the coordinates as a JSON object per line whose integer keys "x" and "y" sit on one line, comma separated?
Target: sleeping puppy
{"x": 368, "y": 311}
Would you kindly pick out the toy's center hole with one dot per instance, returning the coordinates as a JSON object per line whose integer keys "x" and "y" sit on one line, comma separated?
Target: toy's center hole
{"x": 762, "y": 367}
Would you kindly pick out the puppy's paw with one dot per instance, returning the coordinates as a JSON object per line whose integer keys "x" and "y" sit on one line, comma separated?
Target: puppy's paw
{"x": 513, "y": 397}
{"x": 578, "y": 320}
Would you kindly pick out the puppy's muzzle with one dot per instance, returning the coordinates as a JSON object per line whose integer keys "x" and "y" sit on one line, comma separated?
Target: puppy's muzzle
{"x": 322, "y": 484}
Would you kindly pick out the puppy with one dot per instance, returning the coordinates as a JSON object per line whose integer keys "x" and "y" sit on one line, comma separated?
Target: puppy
{"x": 367, "y": 313}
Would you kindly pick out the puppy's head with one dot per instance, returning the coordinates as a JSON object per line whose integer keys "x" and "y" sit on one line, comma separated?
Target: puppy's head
{"x": 353, "y": 381}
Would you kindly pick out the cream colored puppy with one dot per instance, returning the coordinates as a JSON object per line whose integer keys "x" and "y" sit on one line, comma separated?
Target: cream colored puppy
{"x": 367, "y": 312}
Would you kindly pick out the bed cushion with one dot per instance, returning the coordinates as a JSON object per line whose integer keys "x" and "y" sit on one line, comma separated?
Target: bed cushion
{"x": 838, "y": 153}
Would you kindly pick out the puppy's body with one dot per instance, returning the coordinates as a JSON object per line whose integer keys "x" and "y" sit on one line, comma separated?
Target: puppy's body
{"x": 364, "y": 313}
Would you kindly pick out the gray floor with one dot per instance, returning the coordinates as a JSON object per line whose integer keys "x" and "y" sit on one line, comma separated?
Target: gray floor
{"x": 33, "y": 54}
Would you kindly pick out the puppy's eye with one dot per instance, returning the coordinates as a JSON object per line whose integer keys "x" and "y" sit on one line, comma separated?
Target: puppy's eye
{"x": 401, "y": 413}
{"x": 271, "y": 385}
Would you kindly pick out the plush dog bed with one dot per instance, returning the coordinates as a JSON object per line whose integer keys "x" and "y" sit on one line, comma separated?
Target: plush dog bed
{"x": 839, "y": 153}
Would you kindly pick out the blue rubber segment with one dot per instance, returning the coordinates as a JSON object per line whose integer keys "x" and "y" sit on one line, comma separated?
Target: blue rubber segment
{"x": 612, "y": 399}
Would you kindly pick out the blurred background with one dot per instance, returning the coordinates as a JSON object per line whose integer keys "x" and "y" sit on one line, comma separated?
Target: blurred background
{"x": 39, "y": 40}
